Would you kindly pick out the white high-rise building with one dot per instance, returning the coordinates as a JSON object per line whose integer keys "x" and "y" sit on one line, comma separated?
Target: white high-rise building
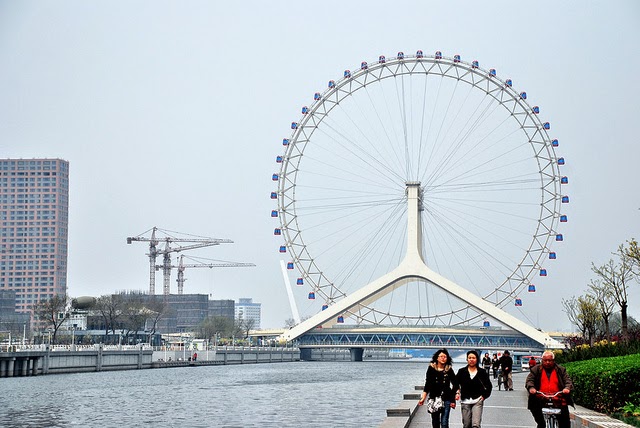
{"x": 246, "y": 310}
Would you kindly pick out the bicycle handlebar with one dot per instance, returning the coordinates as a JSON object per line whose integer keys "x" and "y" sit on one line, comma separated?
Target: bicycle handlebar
{"x": 545, "y": 395}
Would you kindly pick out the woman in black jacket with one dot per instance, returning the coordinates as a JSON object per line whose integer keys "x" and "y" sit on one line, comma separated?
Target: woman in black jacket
{"x": 475, "y": 387}
{"x": 440, "y": 382}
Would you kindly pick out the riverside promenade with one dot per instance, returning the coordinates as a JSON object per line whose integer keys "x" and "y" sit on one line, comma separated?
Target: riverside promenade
{"x": 504, "y": 409}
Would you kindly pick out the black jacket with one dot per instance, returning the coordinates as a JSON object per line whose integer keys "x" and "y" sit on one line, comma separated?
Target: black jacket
{"x": 441, "y": 383}
{"x": 474, "y": 388}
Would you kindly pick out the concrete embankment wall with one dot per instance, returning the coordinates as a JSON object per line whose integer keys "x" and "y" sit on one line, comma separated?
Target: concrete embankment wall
{"x": 45, "y": 360}
{"x": 237, "y": 355}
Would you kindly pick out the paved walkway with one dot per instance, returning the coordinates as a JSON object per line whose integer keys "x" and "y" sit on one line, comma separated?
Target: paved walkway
{"x": 504, "y": 409}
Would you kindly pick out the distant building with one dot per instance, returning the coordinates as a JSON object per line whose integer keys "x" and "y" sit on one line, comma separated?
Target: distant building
{"x": 246, "y": 309}
{"x": 222, "y": 308}
{"x": 34, "y": 218}
{"x": 185, "y": 312}
{"x": 10, "y": 320}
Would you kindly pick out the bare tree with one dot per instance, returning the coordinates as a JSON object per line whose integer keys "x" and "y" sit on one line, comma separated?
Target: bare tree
{"x": 156, "y": 308}
{"x": 216, "y": 326}
{"x": 615, "y": 277}
{"x": 53, "y": 312}
{"x": 605, "y": 301}
{"x": 110, "y": 307}
{"x": 583, "y": 313}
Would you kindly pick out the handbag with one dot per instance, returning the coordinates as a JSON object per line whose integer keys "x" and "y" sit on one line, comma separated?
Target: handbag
{"x": 434, "y": 405}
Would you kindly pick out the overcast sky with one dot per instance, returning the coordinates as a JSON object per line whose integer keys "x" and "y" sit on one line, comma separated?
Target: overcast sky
{"x": 171, "y": 115}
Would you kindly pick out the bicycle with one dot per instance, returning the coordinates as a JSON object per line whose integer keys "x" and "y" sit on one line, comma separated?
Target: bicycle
{"x": 551, "y": 408}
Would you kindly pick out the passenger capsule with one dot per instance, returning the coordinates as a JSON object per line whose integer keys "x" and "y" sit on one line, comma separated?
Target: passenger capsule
{"x": 559, "y": 237}
{"x": 364, "y": 65}
{"x": 312, "y": 295}
{"x": 535, "y": 110}
{"x": 486, "y": 324}
{"x": 543, "y": 272}
{"x": 341, "y": 319}
{"x": 277, "y": 232}
{"x": 274, "y": 195}
{"x": 419, "y": 54}
{"x": 279, "y": 159}
{"x": 332, "y": 83}
{"x": 518, "y": 302}
{"x": 300, "y": 281}
{"x": 317, "y": 96}
{"x": 382, "y": 59}
{"x": 283, "y": 249}
{"x": 400, "y": 55}
{"x": 274, "y": 177}
{"x": 456, "y": 58}
{"x": 523, "y": 95}
{"x": 274, "y": 213}
{"x": 305, "y": 110}
{"x": 563, "y": 218}
{"x": 555, "y": 143}
{"x": 509, "y": 83}
{"x": 565, "y": 200}
{"x": 564, "y": 180}
{"x": 325, "y": 306}
{"x": 290, "y": 265}
{"x": 294, "y": 125}
{"x": 546, "y": 125}
{"x": 475, "y": 64}
{"x": 560, "y": 161}
{"x": 438, "y": 55}
{"x": 285, "y": 142}
{"x": 532, "y": 288}
{"x": 552, "y": 256}
{"x": 347, "y": 74}
{"x": 492, "y": 72}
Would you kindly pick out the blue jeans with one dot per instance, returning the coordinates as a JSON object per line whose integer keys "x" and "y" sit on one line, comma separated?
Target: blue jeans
{"x": 441, "y": 419}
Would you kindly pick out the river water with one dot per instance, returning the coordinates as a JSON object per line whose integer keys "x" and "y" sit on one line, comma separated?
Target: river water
{"x": 295, "y": 394}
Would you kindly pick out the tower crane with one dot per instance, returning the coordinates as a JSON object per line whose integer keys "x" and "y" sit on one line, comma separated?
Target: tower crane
{"x": 154, "y": 250}
{"x": 182, "y": 266}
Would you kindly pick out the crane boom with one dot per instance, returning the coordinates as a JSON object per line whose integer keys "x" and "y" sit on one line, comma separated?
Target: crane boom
{"x": 182, "y": 266}
{"x": 154, "y": 251}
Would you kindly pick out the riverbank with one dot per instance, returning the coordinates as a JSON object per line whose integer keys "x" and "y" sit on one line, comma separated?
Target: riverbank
{"x": 44, "y": 359}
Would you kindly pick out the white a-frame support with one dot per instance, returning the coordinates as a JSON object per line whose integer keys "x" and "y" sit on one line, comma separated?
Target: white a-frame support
{"x": 413, "y": 267}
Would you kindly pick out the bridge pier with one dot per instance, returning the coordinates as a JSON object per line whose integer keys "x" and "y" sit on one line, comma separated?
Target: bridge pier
{"x": 305, "y": 354}
{"x": 356, "y": 354}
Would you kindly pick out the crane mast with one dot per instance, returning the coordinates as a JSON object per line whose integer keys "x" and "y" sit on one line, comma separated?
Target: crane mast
{"x": 154, "y": 252}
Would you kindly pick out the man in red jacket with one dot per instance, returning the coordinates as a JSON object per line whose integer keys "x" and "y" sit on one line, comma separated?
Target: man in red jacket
{"x": 549, "y": 378}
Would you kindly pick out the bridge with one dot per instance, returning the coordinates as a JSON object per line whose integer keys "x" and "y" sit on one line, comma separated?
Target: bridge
{"x": 360, "y": 338}
{"x": 328, "y": 329}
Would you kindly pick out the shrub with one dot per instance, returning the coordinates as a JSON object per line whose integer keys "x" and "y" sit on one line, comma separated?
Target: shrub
{"x": 606, "y": 384}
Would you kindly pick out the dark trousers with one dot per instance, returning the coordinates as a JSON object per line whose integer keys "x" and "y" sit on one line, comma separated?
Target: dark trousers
{"x": 563, "y": 418}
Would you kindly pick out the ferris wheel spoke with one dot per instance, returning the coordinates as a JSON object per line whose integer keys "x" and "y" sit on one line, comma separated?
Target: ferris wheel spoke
{"x": 485, "y": 165}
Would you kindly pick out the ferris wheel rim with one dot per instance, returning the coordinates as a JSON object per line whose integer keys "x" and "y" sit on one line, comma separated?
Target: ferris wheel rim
{"x": 500, "y": 90}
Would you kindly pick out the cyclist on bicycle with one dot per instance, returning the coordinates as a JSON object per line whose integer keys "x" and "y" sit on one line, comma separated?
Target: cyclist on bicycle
{"x": 549, "y": 378}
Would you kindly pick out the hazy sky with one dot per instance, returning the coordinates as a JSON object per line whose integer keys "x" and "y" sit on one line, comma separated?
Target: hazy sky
{"x": 171, "y": 115}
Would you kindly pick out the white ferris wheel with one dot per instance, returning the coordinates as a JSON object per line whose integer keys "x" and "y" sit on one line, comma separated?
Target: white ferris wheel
{"x": 488, "y": 188}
